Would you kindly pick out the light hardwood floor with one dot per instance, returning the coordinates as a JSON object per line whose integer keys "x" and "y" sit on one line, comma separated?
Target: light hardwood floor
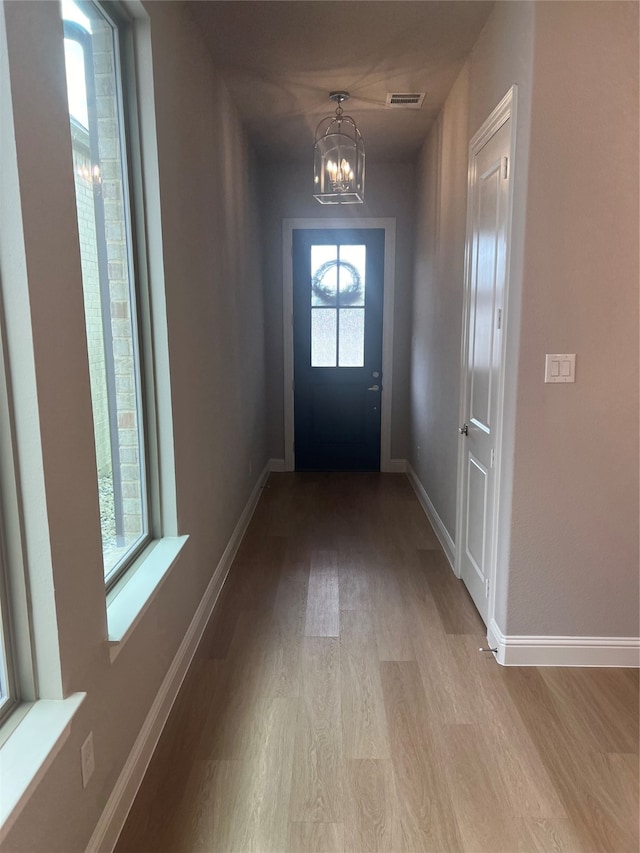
{"x": 338, "y": 703}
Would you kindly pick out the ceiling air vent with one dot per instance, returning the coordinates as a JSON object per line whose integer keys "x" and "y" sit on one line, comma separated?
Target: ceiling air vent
{"x": 406, "y": 100}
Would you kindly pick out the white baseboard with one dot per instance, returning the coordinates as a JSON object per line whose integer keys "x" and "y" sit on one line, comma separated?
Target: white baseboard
{"x": 276, "y": 465}
{"x": 112, "y": 820}
{"x": 563, "y": 651}
{"x": 444, "y": 537}
{"x": 394, "y": 466}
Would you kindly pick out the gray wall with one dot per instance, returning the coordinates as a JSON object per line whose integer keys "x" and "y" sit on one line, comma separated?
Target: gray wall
{"x": 568, "y": 544}
{"x": 437, "y": 304}
{"x": 210, "y": 248}
{"x": 286, "y": 192}
{"x": 573, "y": 559}
{"x": 501, "y": 57}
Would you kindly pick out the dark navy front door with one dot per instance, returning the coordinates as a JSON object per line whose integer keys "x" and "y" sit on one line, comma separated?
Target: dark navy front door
{"x": 337, "y": 324}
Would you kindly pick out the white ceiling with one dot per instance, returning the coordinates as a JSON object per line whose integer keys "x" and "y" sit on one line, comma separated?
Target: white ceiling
{"x": 281, "y": 59}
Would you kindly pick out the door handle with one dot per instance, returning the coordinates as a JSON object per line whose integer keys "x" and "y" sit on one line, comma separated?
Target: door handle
{"x": 373, "y": 388}
{"x": 464, "y": 429}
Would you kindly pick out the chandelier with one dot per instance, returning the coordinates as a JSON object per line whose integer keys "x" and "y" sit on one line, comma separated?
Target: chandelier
{"x": 338, "y": 158}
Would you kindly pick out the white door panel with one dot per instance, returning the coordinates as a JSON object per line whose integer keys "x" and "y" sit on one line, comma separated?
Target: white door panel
{"x": 484, "y": 292}
{"x": 488, "y": 227}
{"x": 475, "y": 538}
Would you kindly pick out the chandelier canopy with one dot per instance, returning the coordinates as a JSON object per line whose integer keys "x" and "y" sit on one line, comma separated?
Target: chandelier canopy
{"x": 338, "y": 158}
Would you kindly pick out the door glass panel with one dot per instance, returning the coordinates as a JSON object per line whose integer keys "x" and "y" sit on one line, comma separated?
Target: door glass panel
{"x": 483, "y": 318}
{"x": 351, "y": 337}
{"x": 324, "y": 275}
{"x": 352, "y": 274}
{"x": 324, "y": 337}
{"x": 337, "y": 279}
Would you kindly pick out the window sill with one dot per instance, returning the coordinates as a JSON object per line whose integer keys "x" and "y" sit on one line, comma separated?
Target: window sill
{"x": 29, "y": 751}
{"x": 128, "y": 600}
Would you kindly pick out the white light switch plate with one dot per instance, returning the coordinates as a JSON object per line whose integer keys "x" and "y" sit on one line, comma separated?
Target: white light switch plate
{"x": 560, "y": 367}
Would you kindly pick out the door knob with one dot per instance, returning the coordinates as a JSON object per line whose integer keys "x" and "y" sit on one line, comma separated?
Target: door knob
{"x": 373, "y": 388}
{"x": 464, "y": 429}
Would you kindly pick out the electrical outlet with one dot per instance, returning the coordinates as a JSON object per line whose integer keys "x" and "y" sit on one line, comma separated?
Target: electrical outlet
{"x": 87, "y": 760}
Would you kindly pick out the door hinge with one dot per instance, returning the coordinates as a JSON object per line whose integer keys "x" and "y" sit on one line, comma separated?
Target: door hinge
{"x": 505, "y": 167}
{"x": 486, "y": 587}
{"x": 492, "y": 458}
{"x": 499, "y": 318}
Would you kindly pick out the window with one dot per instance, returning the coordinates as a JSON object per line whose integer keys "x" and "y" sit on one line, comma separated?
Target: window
{"x": 96, "y": 113}
{"x": 337, "y": 305}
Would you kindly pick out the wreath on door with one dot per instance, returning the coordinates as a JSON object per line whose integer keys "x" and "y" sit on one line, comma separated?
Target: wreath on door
{"x": 348, "y": 295}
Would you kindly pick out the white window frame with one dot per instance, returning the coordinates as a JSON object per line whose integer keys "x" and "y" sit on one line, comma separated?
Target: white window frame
{"x": 8, "y": 664}
{"x": 133, "y": 204}
{"x": 133, "y": 591}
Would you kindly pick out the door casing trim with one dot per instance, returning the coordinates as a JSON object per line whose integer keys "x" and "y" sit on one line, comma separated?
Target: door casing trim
{"x": 388, "y": 225}
{"x": 505, "y": 110}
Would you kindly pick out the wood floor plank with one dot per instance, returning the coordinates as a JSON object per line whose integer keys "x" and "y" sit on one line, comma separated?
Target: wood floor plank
{"x": 190, "y": 710}
{"x": 318, "y": 770}
{"x": 218, "y": 828}
{"x": 353, "y": 579}
{"x": 415, "y": 526}
{"x": 281, "y": 643}
{"x": 542, "y": 835}
{"x": 278, "y": 672}
{"x": 618, "y": 797}
{"x": 468, "y": 766}
{"x": 263, "y": 661}
{"x": 456, "y": 609}
{"x": 191, "y": 824}
{"x": 373, "y": 824}
{"x": 525, "y": 783}
{"x": 389, "y": 731}
{"x": 364, "y": 724}
{"x": 578, "y": 778}
{"x": 393, "y": 640}
{"x": 450, "y": 698}
{"x": 253, "y": 584}
{"x": 604, "y": 710}
{"x": 219, "y": 631}
{"x": 323, "y": 599}
{"x": 239, "y": 676}
{"x": 316, "y": 838}
{"x": 427, "y": 814}
{"x": 252, "y": 793}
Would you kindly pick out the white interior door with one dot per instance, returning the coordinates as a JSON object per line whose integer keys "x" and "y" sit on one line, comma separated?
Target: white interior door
{"x": 481, "y": 405}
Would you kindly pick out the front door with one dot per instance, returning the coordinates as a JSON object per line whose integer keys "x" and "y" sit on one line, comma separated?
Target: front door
{"x": 487, "y": 239}
{"x": 337, "y": 332}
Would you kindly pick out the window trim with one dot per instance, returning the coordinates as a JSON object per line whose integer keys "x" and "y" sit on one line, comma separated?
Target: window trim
{"x": 14, "y": 606}
{"x": 10, "y": 696}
